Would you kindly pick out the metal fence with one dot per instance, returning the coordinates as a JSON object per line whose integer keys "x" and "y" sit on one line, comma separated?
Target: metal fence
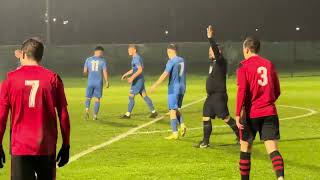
{"x": 291, "y": 58}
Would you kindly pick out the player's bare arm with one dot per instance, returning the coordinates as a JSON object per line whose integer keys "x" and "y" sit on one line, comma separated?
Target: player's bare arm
{"x": 241, "y": 118}
{"x": 85, "y": 71}
{"x": 213, "y": 44}
{"x": 124, "y": 76}
{"x": 159, "y": 81}
{"x": 135, "y": 75}
{"x": 106, "y": 77}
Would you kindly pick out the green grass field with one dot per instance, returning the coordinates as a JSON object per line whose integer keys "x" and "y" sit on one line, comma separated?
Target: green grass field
{"x": 149, "y": 156}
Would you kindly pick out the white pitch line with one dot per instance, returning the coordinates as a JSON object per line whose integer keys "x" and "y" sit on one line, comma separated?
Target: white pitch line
{"x": 123, "y": 135}
{"x": 310, "y": 113}
{"x": 169, "y": 130}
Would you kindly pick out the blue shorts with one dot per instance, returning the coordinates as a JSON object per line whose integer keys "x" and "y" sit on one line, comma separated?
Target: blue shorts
{"x": 94, "y": 91}
{"x": 175, "y": 101}
{"x": 137, "y": 87}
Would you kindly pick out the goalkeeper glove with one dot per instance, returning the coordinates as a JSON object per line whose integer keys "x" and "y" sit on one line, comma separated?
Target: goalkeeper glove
{"x": 2, "y": 157}
{"x": 63, "y": 155}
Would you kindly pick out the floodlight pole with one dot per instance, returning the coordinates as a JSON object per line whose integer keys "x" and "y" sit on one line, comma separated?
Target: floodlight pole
{"x": 48, "y": 23}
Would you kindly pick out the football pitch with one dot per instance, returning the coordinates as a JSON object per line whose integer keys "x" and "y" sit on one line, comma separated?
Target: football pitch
{"x": 112, "y": 148}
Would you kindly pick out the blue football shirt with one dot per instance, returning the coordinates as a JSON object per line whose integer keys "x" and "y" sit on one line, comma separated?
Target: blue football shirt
{"x": 137, "y": 61}
{"x": 177, "y": 75}
{"x": 95, "y": 66}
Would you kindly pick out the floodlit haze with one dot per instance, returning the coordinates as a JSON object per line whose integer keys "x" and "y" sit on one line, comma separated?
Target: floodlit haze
{"x": 124, "y": 21}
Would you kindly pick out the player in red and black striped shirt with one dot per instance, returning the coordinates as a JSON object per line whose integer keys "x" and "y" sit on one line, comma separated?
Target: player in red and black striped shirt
{"x": 34, "y": 95}
{"x": 258, "y": 90}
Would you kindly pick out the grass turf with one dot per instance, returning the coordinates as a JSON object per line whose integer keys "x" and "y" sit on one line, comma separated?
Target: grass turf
{"x": 150, "y": 156}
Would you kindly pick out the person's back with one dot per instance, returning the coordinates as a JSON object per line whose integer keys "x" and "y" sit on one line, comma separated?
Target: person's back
{"x": 96, "y": 69}
{"x": 95, "y": 66}
{"x": 32, "y": 94}
{"x": 258, "y": 90}
{"x": 175, "y": 70}
{"x": 177, "y": 78}
{"x": 262, "y": 78}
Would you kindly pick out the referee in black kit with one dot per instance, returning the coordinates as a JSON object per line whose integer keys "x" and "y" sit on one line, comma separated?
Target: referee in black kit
{"x": 216, "y": 104}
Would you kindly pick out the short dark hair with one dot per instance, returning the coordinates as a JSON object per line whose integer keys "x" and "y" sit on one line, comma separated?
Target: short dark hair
{"x": 99, "y": 48}
{"x": 33, "y": 48}
{"x": 173, "y": 47}
{"x": 253, "y": 43}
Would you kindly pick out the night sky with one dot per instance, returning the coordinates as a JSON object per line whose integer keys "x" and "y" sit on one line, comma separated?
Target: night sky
{"x": 136, "y": 21}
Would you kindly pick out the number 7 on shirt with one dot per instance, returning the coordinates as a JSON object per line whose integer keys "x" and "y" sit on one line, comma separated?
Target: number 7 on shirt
{"x": 181, "y": 69}
{"x": 34, "y": 88}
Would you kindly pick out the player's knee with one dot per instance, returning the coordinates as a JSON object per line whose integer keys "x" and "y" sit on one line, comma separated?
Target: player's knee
{"x": 271, "y": 145}
{"x": 206, "y": 118}
{"x": 245, "y": 146}
{"x": 144, "y": 94}
{"x": 97, "y": 100}
{"x": 173, "y": 114}
{"x": 131, "y": 95}
{"x": 226, "y": 119}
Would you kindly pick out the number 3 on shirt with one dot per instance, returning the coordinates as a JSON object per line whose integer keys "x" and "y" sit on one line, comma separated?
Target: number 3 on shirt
{"x": 34, "y": 88}
{"x": 263, "y": 72}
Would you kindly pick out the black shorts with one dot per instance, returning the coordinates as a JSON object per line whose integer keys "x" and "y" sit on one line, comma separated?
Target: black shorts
{"x": 268, "y": 128}
{"x": 33, "y": 168}
{"x": 216, "y": 105}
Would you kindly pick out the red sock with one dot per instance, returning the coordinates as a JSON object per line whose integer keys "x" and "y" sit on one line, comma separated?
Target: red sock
{"x": 277, "y": 163}
{"x": 245, "y": 165}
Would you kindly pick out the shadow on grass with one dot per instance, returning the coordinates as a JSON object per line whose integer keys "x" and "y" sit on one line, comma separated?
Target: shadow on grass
{"x": 123, "y": 123}
{"x": 190, "y": 138}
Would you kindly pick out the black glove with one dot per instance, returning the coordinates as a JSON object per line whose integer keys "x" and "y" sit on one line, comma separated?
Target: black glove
{"x": 63, "y": 155}
{"x": 2, "y": 157}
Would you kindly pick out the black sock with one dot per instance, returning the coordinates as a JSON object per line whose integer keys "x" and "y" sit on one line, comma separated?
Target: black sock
{"x": 277, "y": 163}
{"x": 207, "y": 129}
{"x": 245, "y": 165}
{"x": 233, "y": 125}
{"x": 178, "y": 118}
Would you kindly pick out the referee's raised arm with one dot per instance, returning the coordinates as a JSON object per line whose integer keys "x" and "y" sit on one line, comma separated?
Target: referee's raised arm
{"x": 213, "y": 44}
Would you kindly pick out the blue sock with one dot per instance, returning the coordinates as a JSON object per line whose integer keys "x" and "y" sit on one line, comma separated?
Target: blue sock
{"x": 87, "y": 103}
{"x": 131, "y": 104}
{"x": 149, "y": 103}
{"x": 174, "y": 125}
{"x": 180, "y": 119}
{"x": 96, "y": 108}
